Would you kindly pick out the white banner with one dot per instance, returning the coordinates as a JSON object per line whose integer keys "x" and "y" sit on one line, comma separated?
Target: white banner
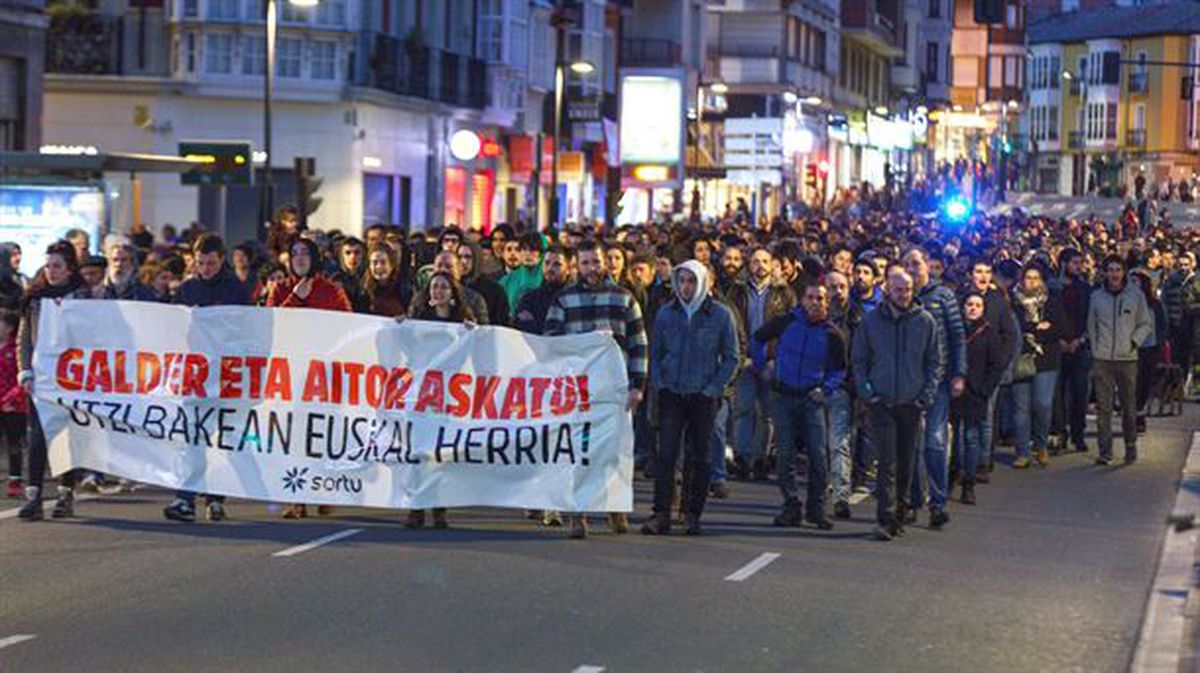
{"x": 298, "y": 405}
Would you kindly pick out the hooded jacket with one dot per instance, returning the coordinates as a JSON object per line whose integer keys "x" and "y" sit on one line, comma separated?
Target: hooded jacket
{"x": 1118, "y": 324}
{"x": 694, "y": 345}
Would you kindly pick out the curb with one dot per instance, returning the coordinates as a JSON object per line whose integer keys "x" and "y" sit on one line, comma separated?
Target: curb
{"x": 1174, "y": 595}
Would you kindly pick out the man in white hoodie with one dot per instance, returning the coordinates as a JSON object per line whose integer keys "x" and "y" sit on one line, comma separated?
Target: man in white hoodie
{"x": 694, "y": 356}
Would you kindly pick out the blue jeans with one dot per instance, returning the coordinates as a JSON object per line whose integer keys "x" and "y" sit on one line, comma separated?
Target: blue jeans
{"x": 864, "y": 449}
{"x": 719, "y": 433}
{"x": 972, "y": 448}
{"x": 933, "y": 453}
{"x": 800, "y": 423}
{"x": 839, "y": 416}
{"x": 1033, "y": 401}
{"x": 751, "y": 422}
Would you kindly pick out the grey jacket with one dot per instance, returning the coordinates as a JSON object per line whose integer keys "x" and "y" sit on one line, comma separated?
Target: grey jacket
{"x": 897, "y": 356}
{"x": 1118, "y": 324}
{"x": 700, "y": 356}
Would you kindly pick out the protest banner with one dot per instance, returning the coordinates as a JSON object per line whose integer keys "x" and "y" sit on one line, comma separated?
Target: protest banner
{"x": 308, "y": 406}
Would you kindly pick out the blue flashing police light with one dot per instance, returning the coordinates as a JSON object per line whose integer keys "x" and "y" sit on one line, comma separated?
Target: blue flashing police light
{"x": 957, "y": 209}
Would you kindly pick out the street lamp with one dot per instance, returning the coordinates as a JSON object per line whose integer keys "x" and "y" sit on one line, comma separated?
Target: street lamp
{"x": 578, "y": 67}
{"x": 272, "y": 18}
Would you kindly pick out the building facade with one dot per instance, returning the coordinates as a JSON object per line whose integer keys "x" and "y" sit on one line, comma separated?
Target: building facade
{"x": 22, "y": 47}
{"x": 1106, "y": 106}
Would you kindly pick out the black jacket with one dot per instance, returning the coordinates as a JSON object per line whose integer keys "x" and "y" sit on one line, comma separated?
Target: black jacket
{"x": 530, "y": 316}
{"x": 987, "y": 358}
{"x": 223, "y": 289}
{"x": 1048, "y": 339}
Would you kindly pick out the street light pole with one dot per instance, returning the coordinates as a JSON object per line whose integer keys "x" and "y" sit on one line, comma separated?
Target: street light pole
{"x": 559, "y": 81}
{"x": 272, "y": 17}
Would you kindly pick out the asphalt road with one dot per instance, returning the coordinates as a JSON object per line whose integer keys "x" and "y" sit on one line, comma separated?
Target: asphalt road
{"x": 1050, "y": 572}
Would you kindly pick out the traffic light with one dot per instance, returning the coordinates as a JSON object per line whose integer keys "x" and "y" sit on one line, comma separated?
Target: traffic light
{"x": 990, "y": 11}
{"x": 307, "y": 184}
{"x": 811, "y": 178}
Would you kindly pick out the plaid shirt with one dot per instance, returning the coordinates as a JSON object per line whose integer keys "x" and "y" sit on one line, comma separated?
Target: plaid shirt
{"x": 579, "y": 309}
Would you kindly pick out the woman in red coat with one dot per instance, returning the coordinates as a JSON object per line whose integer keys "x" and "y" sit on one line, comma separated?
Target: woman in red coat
{"x": 305, "y": 287}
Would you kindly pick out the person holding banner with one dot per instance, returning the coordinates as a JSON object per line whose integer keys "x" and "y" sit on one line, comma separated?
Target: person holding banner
{"x": 58, "y": 280}
{"x": 593, "y": 304}
{"x": 306, "y": 287}
{"x": 694, "y": 356}
{"x": 214, "y": 284}
{"x": 447, "y": 303}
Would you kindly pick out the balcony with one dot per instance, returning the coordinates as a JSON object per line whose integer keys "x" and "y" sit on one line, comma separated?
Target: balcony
{"x": 650, "y": 53}
{"x": 83, "y": 43}
{"x": 862, "y": 21}
{"x": 1139, "y": 82}
{"x": 406, "y": 68}
{"x": 1075, "y": 140}
{"x": 1135, "y": 138}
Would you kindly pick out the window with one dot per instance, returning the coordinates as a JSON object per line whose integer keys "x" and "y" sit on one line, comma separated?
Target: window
{"x": 189, "y": 52}
{"x": 255, "y": 10}
{"x": 1012, "y": 71}
{"x": 190, "y": 8}
{"x": 1055, "y": 71}
{"x": 1052, "y": 123}
{"x": 287, "y": 55}
{"x": 931, "y": 61}
{"x": 331, "y": 13}
{"x": 324, "y": 59}
{"x": 1139, "y": 117}
{"x": 289, "y": 13}
{"x": 222, "y": 10}
{"x": 518, "y": 35}
{"x": 935, "y": 9}
{"x": 819, "y": 47}
{"x": 1110, "y": 122}
{"x": 254, "y": 54}
{"x": 218, "y": 53}
{"x": 491, "y": 31}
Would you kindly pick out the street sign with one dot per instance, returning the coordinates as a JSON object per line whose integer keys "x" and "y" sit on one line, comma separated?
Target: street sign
{"x": 218, "y": 163}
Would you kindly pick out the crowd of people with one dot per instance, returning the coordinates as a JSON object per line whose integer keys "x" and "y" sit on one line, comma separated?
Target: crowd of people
{"x": 867, "y": 351}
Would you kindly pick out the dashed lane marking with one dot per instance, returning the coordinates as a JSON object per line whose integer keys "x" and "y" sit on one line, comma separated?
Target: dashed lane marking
{"x": 319, "y": 542}
{"x": 747, "y": 571}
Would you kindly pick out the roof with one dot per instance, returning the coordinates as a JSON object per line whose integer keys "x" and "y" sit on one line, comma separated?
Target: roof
{"x": 1170, "y": 18}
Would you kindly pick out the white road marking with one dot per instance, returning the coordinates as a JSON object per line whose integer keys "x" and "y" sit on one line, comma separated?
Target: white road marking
{"x": 319, "y": 542}
{"x": 745, "y": 572}
{"x": 858, "y": 497}
{"x": 589, "y": 669}
{"x": 15, "y": 640}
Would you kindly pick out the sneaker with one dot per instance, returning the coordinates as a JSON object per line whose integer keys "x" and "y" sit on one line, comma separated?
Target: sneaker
{"x": 1130, "y": 457}
{"x": 841, "y": 510}
{"x": 908, "y": 516}
{"x": 215, "y": 511}
{"x": 821, "y": 521}
{"x": 32, "y": 509}
{"x": 657, "y": 525}
{"x": 90, "y": 483}
{"x": 1081, "y": 448}
{"x": 884, "y": 533}
{"x": 1021, "y": 463}
{"x": 15, "y": 488}
{"x": 295, "y": 512}
{"x": 938, "y": 517}
{"x": 618, "y": 522}
{"x": 551, "y": 518}
{"x": 719, "y": 491}
{"x": 415, "y": 519}
{"x": 1043, "y": 458}
{"x": 982, "y": 477}
{"x": 439, "y": 518}
{"x": 1141, "y": 425}
{"x": 579, "y": 528}
{"x": 1104, "y": 461}
{"x": 692, "y": 526}
{"x": 789, "y": 517}
{"x": 324, "y": 510}
{"x": 64, "y": 506}
{"x": 180, "y": 510}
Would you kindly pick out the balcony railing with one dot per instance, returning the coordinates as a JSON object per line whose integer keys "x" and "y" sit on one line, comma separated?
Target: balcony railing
{"x": 650, "y": 53}
{"x": 410, "y": 69}
{"x": 1075, "y": 140}
{"x": 85, "y": 43}
{"x": 751, "y": 50}
{"x": 1135, "y": 137}
{"x": 1139, "y": 82}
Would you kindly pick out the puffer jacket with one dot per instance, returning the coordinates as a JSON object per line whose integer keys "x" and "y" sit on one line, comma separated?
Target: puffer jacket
{"x": 1118, "y": 324}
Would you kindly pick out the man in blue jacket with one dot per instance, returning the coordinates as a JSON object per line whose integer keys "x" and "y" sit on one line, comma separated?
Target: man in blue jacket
{"x": 693, "y": 358}
{"x": 809, "y": 368}
{"x": 941, "y": 303}
{"x": 897, "y": 364}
